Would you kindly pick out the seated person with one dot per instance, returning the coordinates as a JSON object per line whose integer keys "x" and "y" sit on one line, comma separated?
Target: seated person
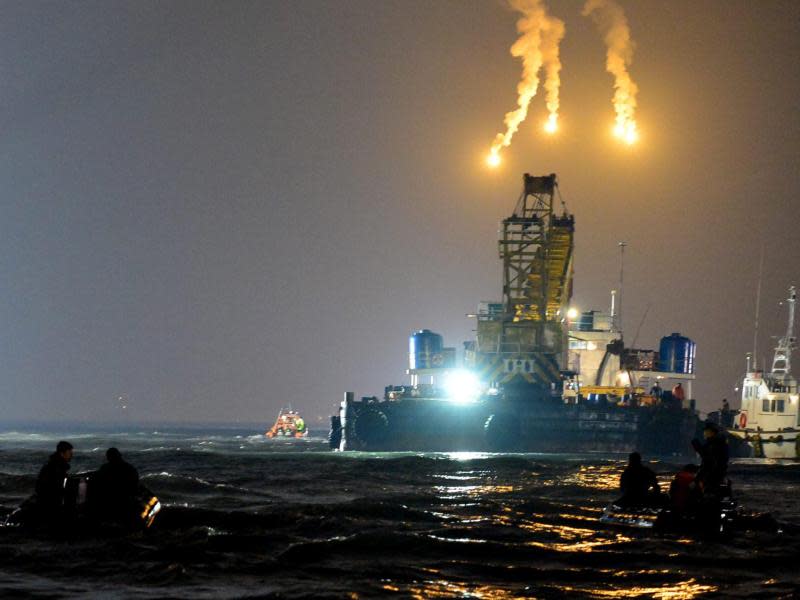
{"x": 683, "y": 491}
{"x": 114, "y": 486}
{"x": 638, "y": 483}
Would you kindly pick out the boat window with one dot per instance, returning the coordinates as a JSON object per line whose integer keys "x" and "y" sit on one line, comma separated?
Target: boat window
{"x": 765, "y": 405}
{"x": 780, "y": 405}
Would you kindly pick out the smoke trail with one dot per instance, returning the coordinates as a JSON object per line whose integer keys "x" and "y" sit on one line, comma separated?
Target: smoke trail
{"x": 537, "y": 42}
{"x": 551, "y": 38}
{"x": 610, "y": 19}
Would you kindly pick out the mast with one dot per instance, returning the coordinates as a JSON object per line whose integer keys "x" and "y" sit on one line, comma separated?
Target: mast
{"x": 758, "y": 304}
{"x": 781, "y": 363}
{"x": 621, "y": 284}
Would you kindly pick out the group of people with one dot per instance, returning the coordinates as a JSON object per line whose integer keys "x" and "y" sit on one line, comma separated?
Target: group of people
{"x": 690, "y": 486}
{"x": 678, "y": 392}
{"x": 109, "y": 489}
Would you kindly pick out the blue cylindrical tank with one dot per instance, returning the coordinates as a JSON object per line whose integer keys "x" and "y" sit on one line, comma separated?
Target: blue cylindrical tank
{"x": 677, "y": 354}
{"x": 425, "y": 350}
{"x": 586, "y": 322}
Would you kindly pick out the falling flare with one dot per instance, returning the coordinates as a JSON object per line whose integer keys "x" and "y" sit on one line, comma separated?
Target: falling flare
{"x": 610, "y": 19}
{"x": 628, "y": 132}
{"x": 537, "y": 44}
{"x": 551, "y": 125}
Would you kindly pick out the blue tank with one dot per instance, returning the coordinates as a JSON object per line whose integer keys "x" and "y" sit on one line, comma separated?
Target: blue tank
{"x": 676, "y": 354}
{"x": 425, "y": 350}
{"x": 586, "y": 322}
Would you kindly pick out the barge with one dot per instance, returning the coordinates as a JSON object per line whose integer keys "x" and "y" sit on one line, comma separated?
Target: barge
{"x": 539, "y": 376}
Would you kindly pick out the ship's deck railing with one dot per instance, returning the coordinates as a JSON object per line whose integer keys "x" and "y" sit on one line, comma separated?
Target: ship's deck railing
{"x": 511, "y": 349}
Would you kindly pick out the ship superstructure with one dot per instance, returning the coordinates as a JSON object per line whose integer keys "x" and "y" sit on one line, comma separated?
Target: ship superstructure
{"x": 536, "y": 377}
{"x": 769, "y": 418}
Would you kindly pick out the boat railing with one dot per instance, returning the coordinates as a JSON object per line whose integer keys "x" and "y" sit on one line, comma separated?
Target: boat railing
{"x": 508, "y": 348}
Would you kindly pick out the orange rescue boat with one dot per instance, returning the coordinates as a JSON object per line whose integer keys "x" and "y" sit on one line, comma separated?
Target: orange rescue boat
{"x": 288, "y": 424}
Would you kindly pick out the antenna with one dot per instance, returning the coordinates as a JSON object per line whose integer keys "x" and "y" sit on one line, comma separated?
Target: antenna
{"x": 621, "y": 280}
{"x": 758, "y": 304}
{"x": 613, "y": 309}
{"x": 639, "y": 328}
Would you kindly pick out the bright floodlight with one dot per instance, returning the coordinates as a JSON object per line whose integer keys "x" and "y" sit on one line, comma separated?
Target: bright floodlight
{"x": 462, "y": 386}
{"x": 572, "y": 314}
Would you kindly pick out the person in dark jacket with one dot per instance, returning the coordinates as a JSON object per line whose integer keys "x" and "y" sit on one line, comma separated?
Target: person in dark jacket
{"x": 114, "y": 486}
{"x": 51, "y": 480}
{"x": 638, "y": 483}
{"x": 713, "y": 451}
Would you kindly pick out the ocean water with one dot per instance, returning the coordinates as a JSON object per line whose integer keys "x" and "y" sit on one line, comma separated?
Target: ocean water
{"x": 245, "y": 516}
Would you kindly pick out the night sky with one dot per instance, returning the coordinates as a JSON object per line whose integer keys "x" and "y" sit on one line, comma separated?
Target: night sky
{"x": 213, "y": 209}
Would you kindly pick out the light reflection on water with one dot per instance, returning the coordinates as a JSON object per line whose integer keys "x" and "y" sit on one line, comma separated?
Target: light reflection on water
{"x": 684, "y": 590}
{"x": 450, "y": 589}
{"x": 601, "y": 477}
{"x": 453, "y": 492}
{"x": 565, "y": 538}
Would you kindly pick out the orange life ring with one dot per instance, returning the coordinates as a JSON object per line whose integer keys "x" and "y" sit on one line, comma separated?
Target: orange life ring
{"x": 742, "y": 420}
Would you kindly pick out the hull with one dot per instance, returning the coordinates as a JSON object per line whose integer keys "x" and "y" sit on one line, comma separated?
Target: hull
{"x": 769, "y": 444}
{"x": 439, "y": 425}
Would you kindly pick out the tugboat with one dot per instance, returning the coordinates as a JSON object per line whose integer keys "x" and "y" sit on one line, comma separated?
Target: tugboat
{"x": 769, "y": 419}
{"x": 540, "y": 376}
{"x": 288, "y": 424}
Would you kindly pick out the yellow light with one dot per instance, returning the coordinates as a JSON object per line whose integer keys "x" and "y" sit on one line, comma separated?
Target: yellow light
{"x": 551, "y": 125}
{"x": 572, "y": 314}
{"x": 493, "y": 160}
{"x": 627, "y": 132}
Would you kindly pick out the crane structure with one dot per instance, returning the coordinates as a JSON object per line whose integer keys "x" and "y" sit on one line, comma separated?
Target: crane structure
{"x": 525, "y": 336}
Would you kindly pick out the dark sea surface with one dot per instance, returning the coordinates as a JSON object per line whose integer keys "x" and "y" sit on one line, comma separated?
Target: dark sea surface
{"x": 245, "y": 516}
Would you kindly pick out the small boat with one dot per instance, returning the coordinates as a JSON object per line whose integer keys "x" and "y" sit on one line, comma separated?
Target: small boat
{"x": 83, "y": 513}
{"x": 769, "y": 418}
{"x": 710, "y": 516}
{"x": 288, "y": 424}
{"x": 715, "y": 517}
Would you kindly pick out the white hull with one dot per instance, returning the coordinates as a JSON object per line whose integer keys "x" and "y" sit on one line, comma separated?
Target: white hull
{"x": 770, "y": 444}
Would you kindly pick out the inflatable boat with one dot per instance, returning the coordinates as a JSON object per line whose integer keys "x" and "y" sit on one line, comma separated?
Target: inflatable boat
{"x": 84, "y": 509}
{"x": 712, "y": 515}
